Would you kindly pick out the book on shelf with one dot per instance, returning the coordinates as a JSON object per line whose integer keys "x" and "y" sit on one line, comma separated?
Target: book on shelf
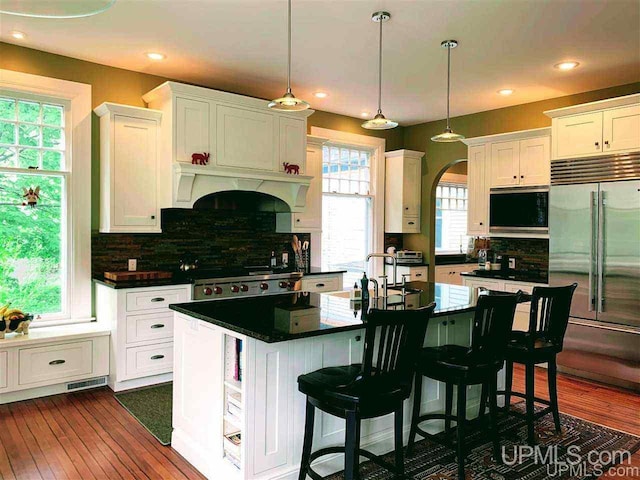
{"x": 238, "y": 361}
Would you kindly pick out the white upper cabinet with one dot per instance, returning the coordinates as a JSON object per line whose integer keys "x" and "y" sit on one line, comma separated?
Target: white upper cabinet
{"x": 129, "y": 169}
{"x": 505, "y": 163}
{"x": 403, "y": 187}
{"x": 293, "y": 132}
{"x": 478, "y": 191}
{"x": 621, "y": 129}
{"x": 193, "y": 128}
{"x": 246, "y": 139}
{"x": 596, "y": 128}
{"x": 535, "y": 167}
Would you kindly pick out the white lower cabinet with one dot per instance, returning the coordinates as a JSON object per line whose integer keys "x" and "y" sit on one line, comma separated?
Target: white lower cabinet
{"x": 414, "y": 273}
{"x": 322, "y": 283}
{"x": 141, "y": 332}
{"x": 451, "y": 273}
{"x": 521, "y": 319}
{"x": 54, "y": 362}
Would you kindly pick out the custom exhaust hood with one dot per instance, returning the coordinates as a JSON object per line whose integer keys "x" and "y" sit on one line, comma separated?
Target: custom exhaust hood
{"x": 192, "y": 182}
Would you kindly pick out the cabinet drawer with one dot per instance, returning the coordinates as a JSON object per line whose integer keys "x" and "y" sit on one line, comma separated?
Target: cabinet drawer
{"x": 154, "y": 299}
{"x": 55, "y": 362}
{"x": 4, "y": 369}
{"x": 410, "y": 224}
{"x": 321, "y": 284}
{"x": 419, "y": 274}
{"x": 150, "y": 326}
{"x": 149, "y": 360}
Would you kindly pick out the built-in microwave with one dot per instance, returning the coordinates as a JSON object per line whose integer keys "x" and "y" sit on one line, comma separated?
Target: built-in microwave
{"x": 519, "y": 210}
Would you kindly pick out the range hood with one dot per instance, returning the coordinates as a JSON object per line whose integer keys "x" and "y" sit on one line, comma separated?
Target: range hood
{"x": 192, "y": 182}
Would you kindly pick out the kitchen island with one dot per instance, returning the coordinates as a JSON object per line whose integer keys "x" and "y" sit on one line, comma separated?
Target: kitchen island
{"x": 237, "y": 412}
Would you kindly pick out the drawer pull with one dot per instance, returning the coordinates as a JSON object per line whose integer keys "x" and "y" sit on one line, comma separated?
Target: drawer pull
{"x": 319, "y": 285}
{"x": 57, "y": 362}
{"x": 358, "y": 338}
{"x": 158, "y": 325}
{"x": 157, "y": 357}
{"x": 418, "y": 274}
{"x": 157, "y": 299}
{"x": 411, "y": 223}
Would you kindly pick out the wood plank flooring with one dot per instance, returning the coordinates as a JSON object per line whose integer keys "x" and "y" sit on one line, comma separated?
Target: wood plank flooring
{"x": 89, "y": 435}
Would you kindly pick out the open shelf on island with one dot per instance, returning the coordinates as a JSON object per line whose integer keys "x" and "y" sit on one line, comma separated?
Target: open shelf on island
{"x": 233, "y": 414}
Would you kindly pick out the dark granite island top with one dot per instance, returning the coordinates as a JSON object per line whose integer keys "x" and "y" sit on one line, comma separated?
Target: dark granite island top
{"x": 279, "y": 318}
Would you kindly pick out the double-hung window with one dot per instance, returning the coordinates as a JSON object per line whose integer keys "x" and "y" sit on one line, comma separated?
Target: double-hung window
{"x": 34, "y": 204}
{"x": 451, "y": 218}
{"x": 347, "y": 202}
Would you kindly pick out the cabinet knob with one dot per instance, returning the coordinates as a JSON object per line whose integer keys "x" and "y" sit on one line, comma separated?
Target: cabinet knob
{"x": 358, "y": 338}
{"x": 521, "y": 176}
{"x": 606, "y": 142}
{"x": 597, "y": 144}
{"x": 453, "y": 322}
{"x": 297, "y": 220}
{"x": 444, "y": 323}
{"x": 481, "y": 223}
{"x": 515, "y": 176}
{"x": 406, "y": 208}
{"x": 153, "y": 217}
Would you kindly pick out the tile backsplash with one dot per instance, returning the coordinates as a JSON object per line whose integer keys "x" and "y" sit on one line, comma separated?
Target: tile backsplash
{"x": 531, "y": 253}
{"x": 217, "y": 238}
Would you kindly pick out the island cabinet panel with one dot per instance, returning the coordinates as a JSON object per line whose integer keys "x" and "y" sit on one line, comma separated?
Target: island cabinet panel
{"x": 271, "y": 396}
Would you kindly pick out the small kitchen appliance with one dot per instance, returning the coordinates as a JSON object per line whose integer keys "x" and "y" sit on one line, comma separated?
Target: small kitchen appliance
{"x": 405, "y": 257}
{"x": 484, "y": 258}
{"x": 519, "y": 210}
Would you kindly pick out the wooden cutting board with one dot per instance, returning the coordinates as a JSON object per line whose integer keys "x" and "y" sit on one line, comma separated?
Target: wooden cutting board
{"x": 132, "y": 276}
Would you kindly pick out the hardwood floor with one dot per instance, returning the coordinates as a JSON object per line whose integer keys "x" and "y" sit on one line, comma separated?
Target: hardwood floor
{"x": 89, "y": 435}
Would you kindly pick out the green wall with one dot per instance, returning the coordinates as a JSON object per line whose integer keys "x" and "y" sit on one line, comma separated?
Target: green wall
{"x": 109, "y": 84}
{"x": 439, "y": 155}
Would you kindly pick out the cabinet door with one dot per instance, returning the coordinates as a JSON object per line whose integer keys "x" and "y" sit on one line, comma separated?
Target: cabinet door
{"x": 245, "y": 139}
{"x": 577, "y": 135}
{"x": 621, "y": 129}
{"x": 134, "y": 174}
{"x": 535, "y": 161}
{"x": 193, "y": 129}
{"x": 505, "y": 164}
{"x": 293, "y": 143}
{"x": 411, "y": 186}
{"x": 311, "y": 218}
{"x": 478, "y": 191}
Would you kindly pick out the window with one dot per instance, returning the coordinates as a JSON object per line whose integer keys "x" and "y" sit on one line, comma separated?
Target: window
{"x": 451, "y": 218}
{"x": 33, "y": 204}
{"x": 347, "y": 233}
{"x": 45, "y": 197}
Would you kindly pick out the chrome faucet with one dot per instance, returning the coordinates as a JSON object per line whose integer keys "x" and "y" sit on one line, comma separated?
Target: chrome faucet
{"x": 395, "y": 267}
{"x": 375, "y": 288}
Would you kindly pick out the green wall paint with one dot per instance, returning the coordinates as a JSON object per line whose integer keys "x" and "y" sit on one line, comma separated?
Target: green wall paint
{"x": 439, "y": 155}
{"x": 109, "y": 84}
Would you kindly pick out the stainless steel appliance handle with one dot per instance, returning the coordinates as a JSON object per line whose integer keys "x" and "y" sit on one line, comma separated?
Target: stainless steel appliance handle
{"x": 592, "y": 249}
{"x": 601, "y": 240}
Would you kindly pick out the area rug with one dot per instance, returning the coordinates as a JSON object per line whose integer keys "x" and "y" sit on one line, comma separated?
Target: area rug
{"x": 563, "y": 456}
{"x": 151, "y": 406}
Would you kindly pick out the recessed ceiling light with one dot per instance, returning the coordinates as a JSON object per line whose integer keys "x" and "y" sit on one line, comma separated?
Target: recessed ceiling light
{"x": 566, "y": 65}
{"x": 18, "y": 35}
{"x": 364, "y": 114}
{"x": 321, "y": 94}
{"x": 505, "y": 91}
{"x": 156, "y": 56}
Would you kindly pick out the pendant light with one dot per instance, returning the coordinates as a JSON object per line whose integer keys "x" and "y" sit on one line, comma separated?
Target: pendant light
{"x": 379, "y": 122}
{"x": 289, "y": 101}
{"x": 448, "y": 135}
{"x": 55, "y": 8}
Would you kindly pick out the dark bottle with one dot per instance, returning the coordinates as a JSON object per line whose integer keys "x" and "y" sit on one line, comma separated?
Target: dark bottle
{"x": 364, "y": 283}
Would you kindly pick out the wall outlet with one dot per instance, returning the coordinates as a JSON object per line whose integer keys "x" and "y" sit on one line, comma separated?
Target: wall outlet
{"x": 133, "y": 264}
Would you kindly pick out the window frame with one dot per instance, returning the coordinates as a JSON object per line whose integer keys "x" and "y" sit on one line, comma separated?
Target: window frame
{"x": 449, "y": 184}
{"x": 77, "y": 174}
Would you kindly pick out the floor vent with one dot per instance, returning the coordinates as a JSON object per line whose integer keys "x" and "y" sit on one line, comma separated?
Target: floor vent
{"x": 95, "y": 382}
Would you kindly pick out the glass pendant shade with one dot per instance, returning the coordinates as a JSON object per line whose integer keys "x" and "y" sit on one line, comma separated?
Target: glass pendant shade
{"x": 288, "y": 102}
{"x": 55, "y": 8}
{"x": 447, "y": 137}
{"x": 379, "y": 122}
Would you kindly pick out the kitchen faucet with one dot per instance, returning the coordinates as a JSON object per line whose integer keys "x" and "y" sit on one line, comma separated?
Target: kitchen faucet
{"x": 384, "y": 277}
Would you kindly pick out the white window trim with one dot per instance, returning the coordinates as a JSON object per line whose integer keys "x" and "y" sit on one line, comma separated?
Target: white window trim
{"x": 377, "y": 184}
{"x": 79, "y": 194}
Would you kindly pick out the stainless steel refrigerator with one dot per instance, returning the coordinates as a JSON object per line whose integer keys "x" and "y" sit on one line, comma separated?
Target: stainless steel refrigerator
{"x": 594, "y": 240}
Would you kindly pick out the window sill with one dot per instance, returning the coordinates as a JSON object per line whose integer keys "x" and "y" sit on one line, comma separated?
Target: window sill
{"x": 38, "y": 324}
{"x": 55, "y": 334}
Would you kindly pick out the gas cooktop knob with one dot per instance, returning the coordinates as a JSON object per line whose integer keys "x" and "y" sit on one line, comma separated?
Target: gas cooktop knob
{"x": 264, "y": 286}
{"x": 283, "y": 284}
{"x": 244, "y": 288}
{"x": 217, "y": 290}
{"x": 235, "y": 288}
{"x": 291, "y": 284}
{"x": 207, "y": 291}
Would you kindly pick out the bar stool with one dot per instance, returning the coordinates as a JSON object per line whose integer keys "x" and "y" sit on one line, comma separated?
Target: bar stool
{"x": 463, "y": 366}
{"x": 367, "y": 390}
{"x": 548, "y": 320}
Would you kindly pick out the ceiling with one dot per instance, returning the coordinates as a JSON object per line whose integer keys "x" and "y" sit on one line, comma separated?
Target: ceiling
{"x": 240, "y": 46}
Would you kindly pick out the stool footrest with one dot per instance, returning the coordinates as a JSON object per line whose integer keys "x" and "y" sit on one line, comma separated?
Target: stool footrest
{"x": 359, "y": 453}
{"x": 522, "y": 395}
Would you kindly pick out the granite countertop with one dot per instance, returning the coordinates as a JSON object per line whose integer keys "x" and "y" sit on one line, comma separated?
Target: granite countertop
{"x": 279, "y": 318}
{"x": 516, "y": 276}
{"x": 183, "y": 280}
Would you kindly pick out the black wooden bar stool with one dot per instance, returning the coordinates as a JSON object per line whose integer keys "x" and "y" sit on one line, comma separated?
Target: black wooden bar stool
{"x": 462, "y": 366}
{"x": 550, "y": 307}
{"x": 371, "y": 389}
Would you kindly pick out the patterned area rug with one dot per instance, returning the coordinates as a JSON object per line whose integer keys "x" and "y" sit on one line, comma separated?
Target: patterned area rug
{"x": 564, "y": 456}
